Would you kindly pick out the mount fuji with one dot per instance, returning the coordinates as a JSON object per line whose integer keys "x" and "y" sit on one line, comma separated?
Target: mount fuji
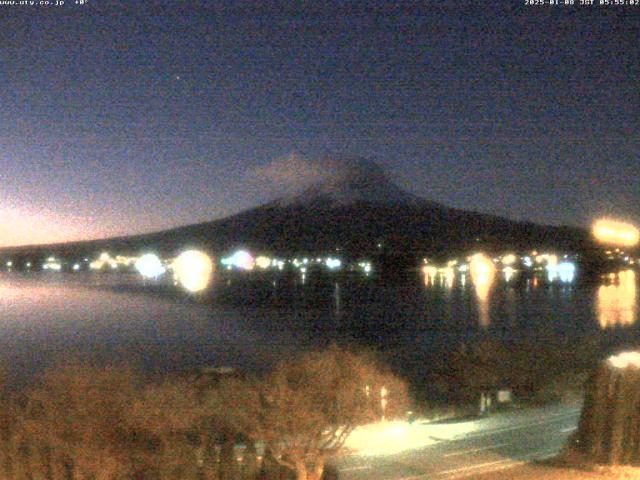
{"x": 351, "y": 181}
{"x": 356, "y": 209}
{"x": 359, "y": 210}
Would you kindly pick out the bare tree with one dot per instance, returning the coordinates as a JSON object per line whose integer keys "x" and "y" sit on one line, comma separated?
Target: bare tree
{"x": 306, "y": 408}
{"x": 73, "y": 424}
{"x": 172, "y": 421}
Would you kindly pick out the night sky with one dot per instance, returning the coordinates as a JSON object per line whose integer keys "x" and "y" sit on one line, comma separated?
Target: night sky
{"x": 120, "y": 118}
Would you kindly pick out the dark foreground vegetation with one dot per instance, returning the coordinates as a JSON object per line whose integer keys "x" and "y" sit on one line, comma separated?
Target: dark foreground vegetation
{"x": 84, "y": 422}
{"x": 609, "y": 430}
{"x": 105, "y": 423}
{"x": 537, "y": 370}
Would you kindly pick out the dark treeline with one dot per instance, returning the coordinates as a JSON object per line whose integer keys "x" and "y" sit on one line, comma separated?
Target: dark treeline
{"x": 538, "y": 369}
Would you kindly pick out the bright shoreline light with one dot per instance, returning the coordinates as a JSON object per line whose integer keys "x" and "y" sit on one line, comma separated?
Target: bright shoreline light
{"x": 149, "y": 266}
{"x": 616, "y": 233}
{"x": 193, "y": 270}
{"x": 625, "y": 360}
{"x": 240, "y": 259}
{"x": 482, "y": 269}
{"x": 564, "y": 271}
{"x": 333, "y": 263}
{"x": 509, "y": 259}
{"x": 263, "y": 262}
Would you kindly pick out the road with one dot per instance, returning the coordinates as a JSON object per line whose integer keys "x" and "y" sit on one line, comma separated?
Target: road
{"x": 462, "y": 449}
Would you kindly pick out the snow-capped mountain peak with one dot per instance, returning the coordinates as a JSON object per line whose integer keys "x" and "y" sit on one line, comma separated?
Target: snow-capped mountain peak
{"x": 349, "y": 181}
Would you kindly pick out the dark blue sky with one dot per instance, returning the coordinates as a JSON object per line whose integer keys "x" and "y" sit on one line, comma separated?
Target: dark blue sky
{"x": 119, "y": 118}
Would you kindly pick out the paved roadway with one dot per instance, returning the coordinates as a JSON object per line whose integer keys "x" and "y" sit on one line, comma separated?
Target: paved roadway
{"x": 489, "y": 444}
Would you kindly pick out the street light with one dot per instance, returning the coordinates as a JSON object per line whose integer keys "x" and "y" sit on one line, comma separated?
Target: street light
{"x": 383, "y": 400}
{"x": 616, "y": 233}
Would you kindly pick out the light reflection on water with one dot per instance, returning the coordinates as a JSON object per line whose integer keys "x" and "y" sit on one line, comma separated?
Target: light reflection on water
{"x": 47, "y": 319}
{"x": 43, "y": 317}
{"x": 616, "y": 300}
{"x": 616, "y": 303}
{"x": 449, "y": 277}
{"x": 429, "y": 272}
{"x": 483, "y": 275}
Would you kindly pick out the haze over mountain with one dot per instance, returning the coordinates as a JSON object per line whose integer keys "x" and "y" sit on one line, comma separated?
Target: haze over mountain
{"x": 350, "y": 181}
{"x": 354, "y": 209}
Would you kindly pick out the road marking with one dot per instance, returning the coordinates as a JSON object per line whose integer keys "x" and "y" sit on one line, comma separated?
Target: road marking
{"x": 473, "y": 450}
{"x": 497, "y": 465}
{"x": 472, "y": 467}
{"x": 570, "y": 429}
{"x": 504, "y": 464}
{"x": 448, "y": 473}
{"x": 543, "y": 421}
{"x": 350, "y": 469}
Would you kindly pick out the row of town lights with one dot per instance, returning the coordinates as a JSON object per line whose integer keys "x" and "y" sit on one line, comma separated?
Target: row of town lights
{"x": 150, "y": 266}
{"x": 192, "y": 269}
{"x": 481, "y": 266}
{"x": 243, "y": 260}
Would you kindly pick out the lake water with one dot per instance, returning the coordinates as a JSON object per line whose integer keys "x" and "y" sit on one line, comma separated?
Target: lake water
{"x": 47, "y": 318}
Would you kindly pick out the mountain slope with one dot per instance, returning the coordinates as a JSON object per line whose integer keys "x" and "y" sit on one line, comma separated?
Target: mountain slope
{"x": 352, "y": 181}
{"x": 355, "y": 209}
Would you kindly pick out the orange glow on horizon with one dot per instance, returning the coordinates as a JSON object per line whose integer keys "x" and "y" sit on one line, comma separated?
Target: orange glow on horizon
{"x": 41, "y": 226}
{"x": 26, "y": 227}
